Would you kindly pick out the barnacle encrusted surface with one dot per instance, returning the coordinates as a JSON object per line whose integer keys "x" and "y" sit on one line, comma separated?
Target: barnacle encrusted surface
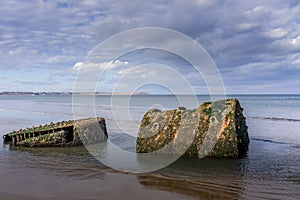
{"x": 218, "y": 129}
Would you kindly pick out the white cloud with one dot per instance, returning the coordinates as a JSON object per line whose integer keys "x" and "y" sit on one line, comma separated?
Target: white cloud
{"x": 255, "y": 11}
{"x": 295, "y": 41}
{"x": 277, "y": 33}
{"x": 78, "y": 66}
{"x": 60, "y": 59}
{"x": 246, "y": 26}
{"x": 89, "y": 66}
{"x": 205, "y": 3}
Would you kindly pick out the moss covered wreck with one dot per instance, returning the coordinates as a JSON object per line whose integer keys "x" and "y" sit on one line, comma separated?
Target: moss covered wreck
{"x": 217, "y": 129}
{"x": 65, "y": 133}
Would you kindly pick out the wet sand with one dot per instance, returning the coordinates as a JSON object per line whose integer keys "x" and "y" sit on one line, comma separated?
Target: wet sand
{"x": 47, "y": 174}
{"x": 18, "y": 197}
{"x": 108, "y": 186}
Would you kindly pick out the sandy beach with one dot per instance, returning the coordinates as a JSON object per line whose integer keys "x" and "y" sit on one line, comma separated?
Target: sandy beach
{"x": 35, "y": 185}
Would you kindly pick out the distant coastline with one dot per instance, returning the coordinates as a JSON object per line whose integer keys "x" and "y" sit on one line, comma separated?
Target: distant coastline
{"x": 69, "y": 93}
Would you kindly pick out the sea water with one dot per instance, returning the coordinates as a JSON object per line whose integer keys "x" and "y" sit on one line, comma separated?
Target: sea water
{"x": 271, "y": 170}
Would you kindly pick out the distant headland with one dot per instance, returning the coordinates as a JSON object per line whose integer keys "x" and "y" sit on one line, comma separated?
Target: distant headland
{"x": 70, "y": 93}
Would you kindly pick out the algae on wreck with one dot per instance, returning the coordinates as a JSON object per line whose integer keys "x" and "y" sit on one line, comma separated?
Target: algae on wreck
{"x": 223, "y": 118}
{"x": 65, "y": 133}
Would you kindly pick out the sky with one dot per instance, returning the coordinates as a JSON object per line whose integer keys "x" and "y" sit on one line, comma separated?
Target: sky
{"x": 254, "y": 44}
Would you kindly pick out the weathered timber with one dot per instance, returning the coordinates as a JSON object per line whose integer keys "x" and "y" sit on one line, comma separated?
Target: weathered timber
{"x": 65, "y": 133}
{"x": 220, "y": 130}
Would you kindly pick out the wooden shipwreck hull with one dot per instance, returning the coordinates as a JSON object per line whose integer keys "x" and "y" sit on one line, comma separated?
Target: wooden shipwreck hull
{"x": 65, "y": 133}
{"x": 218, "y": 129}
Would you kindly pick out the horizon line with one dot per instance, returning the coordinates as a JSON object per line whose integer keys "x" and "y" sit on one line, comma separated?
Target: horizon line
{"x": 137, "y": 93}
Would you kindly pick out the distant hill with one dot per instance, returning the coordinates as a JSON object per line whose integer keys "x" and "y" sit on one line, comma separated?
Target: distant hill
{"x": 71, "y": 93}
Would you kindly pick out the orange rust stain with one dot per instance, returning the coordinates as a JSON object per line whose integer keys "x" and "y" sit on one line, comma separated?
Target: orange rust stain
{"x": 224, "y": 125}
{"x": 175, "y": 135}
{"x": 157, "y": 137}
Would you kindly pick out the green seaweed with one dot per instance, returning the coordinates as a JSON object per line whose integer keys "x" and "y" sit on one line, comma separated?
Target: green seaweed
{"x": 234, "y": 129}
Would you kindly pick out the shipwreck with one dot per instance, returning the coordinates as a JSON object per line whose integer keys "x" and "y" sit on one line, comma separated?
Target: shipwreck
{"x": 61, "y": 134}
{"x": 214, "y": 129}
{"x": 217, "y": 129}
